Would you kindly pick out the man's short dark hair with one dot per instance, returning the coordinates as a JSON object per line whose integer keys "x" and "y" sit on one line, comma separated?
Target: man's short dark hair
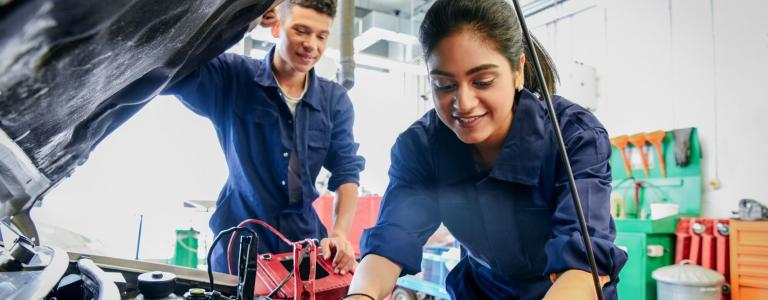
{"x": 327, "y": 7}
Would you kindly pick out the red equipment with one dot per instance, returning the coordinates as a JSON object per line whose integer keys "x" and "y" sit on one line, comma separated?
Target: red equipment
{"x": 683, "y": 241}
{"x": 366, "y": 213}
{"x": 317, "y": 280}
{"x": 312, "y": 277}
{"x": 708, "y": 254}
{"x": 721, "y": 239}
{"x": 704, "y": 242}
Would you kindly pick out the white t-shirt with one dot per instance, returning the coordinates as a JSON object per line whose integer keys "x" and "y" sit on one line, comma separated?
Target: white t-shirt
{"x": 291, "y": 101}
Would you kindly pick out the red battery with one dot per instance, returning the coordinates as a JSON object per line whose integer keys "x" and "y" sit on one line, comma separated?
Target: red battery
{"x": 313, "y": 277}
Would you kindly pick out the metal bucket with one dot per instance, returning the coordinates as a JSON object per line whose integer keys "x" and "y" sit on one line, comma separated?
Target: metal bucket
{"x": 686, "y": 281}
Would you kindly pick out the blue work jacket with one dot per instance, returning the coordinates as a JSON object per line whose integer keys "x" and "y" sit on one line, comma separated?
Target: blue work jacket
{"x": 516, "y": 221}
{"x": 255, "y": 129}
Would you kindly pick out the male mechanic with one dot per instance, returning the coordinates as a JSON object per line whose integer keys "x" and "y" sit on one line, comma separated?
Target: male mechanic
{"x": 278, "y": 123}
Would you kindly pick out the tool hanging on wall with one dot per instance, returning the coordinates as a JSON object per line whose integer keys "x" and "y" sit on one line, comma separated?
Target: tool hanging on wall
{"x": 639, "y": 205}
{"x": 618, "y": 206}
{"x": 682, "y": 145}
{"x": 656, "y": 138}
{"x": 621, "y": 143}
{"x": 638, "y": 140}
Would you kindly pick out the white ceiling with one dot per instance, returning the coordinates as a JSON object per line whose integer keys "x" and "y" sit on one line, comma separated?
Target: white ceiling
{"x": 420, "y": 6}
{"x": 389, "y": 6}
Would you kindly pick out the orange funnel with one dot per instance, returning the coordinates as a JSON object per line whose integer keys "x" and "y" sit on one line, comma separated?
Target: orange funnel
{"x": 621, "y": 143}
{"x": 656, "y": 138}
{"x": 638, "y": 140}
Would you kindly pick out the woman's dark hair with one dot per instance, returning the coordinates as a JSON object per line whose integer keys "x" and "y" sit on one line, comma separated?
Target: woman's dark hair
{"x": 495, "y": 22}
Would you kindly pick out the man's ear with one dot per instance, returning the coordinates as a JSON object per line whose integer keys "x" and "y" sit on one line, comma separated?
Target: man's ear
{"x": 276, "y": 29}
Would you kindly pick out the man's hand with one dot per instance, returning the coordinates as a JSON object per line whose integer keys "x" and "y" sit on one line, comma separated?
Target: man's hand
{"x": 269, "y": 18}
{"x": 344, "y": 261}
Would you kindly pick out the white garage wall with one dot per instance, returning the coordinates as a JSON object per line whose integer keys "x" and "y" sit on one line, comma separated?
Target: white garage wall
{"x": 385, "y": 105}
{"x": 665, "y": 64}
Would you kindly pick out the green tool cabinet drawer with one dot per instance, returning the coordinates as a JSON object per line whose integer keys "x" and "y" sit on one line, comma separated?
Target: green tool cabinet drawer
{"x": 647, "y": 251}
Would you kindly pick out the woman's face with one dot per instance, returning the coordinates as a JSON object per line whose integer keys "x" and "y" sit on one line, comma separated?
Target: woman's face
{"x": 473, "y": 88}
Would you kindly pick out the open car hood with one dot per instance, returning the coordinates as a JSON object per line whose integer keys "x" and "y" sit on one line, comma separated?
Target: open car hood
{"x": 71, "y": 71}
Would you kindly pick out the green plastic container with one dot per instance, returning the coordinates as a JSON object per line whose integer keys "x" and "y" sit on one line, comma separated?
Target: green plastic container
{"x": 186, "y": 248}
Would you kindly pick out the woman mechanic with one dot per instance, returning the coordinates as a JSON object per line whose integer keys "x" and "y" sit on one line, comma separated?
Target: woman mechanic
{"x": 485, "y": 163}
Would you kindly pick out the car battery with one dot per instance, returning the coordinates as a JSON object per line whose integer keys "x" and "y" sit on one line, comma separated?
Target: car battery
{"x": 313, "y": 276}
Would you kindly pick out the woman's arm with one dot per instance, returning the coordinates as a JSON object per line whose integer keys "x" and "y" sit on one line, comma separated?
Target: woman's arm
{"x": 409, "y": 215}
{"x": 375, "y": 276}
{"x": 589, "y": 152}
{"x": 573, "y": 284}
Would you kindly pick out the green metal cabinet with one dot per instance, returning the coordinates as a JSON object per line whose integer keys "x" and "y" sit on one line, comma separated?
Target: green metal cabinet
{"x": 635, "y": 281}
{"x": 636, "y": 233}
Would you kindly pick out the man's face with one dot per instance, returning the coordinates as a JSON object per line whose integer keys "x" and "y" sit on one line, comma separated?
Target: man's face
{"x": 302, "y": 36}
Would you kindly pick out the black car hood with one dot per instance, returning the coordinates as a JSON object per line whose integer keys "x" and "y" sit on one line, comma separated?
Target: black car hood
{"x": 71, "y": 71}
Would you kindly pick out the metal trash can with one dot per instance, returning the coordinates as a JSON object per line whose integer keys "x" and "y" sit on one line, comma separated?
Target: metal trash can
{"x": 686, "y": 281}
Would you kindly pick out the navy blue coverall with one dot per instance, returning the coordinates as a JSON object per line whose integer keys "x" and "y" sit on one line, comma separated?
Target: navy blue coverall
{"x": 516, "y": 221}
{"x": 255, "y": 129}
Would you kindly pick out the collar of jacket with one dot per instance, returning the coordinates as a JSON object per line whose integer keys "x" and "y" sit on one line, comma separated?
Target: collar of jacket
{"x": 265, "y": 77}
{"x": 522, "y": 153}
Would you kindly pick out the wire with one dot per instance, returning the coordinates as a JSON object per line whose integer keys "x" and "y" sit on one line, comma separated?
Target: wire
{"x": 247, "y": 222}
{"x": 213, "y": 245}
{"x": 241, "y": 227}
{"x": 11, "y": 227}
{"x": 622, "y": 182}
{"x": 659, "y": 192}
{"x": 280, "y": 286}
{"x": 563, "y": 152}
{"x": 291, "y": 274}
